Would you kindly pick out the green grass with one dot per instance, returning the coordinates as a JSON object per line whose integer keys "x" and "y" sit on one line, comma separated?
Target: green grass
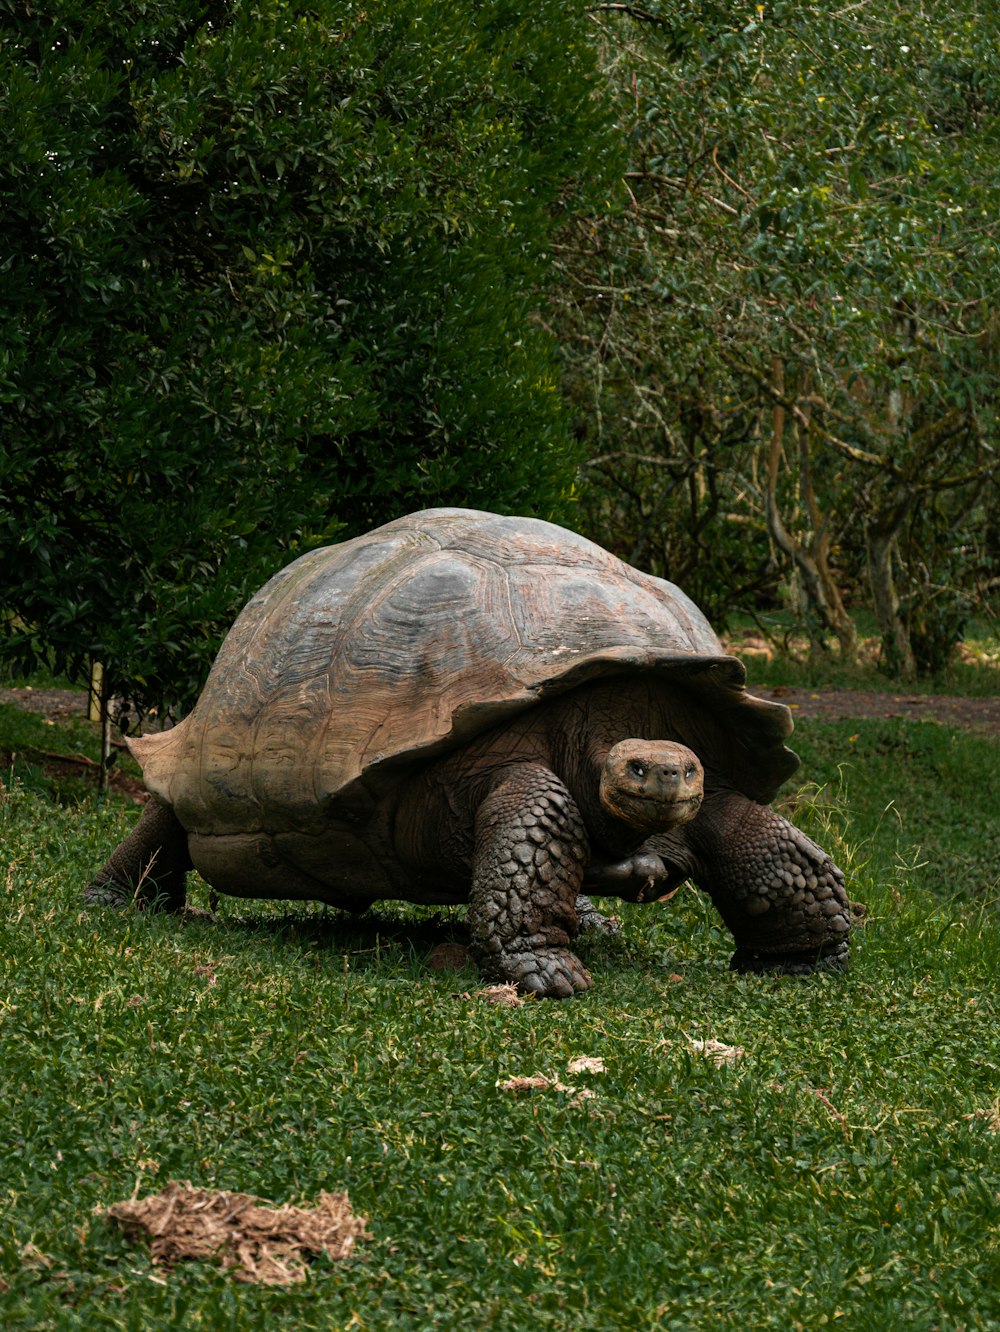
{"x": 920, "y": 797}
{"x": 842, "y": 1172}
{"x": 27, "y": 738}
{"x": 29, "y": 742}
{"x": 968, "y": 679}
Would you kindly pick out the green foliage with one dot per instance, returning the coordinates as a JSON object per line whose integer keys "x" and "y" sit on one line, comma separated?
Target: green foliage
{"x": 789, "y": 662}
{"x": 267, "y": 278}
{"x": 844, "y": 1168}
{"x": 806, "y": 263}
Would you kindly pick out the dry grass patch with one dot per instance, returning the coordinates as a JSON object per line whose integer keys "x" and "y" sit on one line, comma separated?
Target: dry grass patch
{"x": 259, "y": 1242}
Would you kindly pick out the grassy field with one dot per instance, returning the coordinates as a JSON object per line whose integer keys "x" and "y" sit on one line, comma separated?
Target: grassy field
{"x": 839, "y": 1167}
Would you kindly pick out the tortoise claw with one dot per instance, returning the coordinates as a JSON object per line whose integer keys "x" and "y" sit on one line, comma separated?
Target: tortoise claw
{"x": 549, "y": 973}
{"x": 104, "y": 891}
{"x": 592, "y": 920}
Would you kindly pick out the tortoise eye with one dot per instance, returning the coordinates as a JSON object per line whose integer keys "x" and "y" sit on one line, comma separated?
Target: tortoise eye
{"x": 636, "y": 768}
{"x": 689, "y": 775}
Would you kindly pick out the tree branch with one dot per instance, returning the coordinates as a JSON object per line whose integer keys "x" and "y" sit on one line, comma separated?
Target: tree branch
{"x": 641, "y": 14}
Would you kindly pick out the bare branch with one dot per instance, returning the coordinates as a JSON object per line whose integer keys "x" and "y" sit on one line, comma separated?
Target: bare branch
{"x": 641, "y": 14}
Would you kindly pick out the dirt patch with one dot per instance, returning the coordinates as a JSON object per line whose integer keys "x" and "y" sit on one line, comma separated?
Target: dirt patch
{"x": 976, "y": 714}
{"x": 257, "y": 1241}
{"x": 448, "y": 956}
{"x": 52, "y": 703}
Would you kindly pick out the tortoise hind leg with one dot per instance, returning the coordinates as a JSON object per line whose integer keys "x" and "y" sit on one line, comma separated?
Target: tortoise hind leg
{"x": 531, "y": 848}
{"x": 149, "y": 867}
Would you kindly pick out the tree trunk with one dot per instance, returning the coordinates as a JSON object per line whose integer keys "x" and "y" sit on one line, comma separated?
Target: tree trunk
{"x": 880, "y": 539}
{"x": 809, "y": 555}
{"x": 818, "y": 549}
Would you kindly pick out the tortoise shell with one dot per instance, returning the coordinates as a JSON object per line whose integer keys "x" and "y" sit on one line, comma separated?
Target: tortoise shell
{"x": 397, "y": 646}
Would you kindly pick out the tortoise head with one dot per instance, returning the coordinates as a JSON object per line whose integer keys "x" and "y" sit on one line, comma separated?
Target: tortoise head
{"x": 652, "y": 785}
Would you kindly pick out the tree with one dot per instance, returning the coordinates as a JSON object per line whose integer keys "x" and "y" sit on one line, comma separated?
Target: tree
{"x": 267, "y": 277}
{"x": 783, "y": 349}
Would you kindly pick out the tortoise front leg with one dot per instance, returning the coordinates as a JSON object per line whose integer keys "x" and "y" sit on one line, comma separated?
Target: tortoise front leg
{"x": 594, "y": 921}
{"x": 530, "y": 852}
{"x": 642, "y": 877}
{"x": 780, "y": 894}
{"x": 150, "y": 866}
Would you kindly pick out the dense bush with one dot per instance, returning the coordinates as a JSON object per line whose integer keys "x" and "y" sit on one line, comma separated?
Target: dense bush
{"x": 266, "y": 281}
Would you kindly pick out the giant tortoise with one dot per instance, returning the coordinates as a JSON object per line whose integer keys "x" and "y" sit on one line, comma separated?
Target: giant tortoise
{"x": 464, "y": 707}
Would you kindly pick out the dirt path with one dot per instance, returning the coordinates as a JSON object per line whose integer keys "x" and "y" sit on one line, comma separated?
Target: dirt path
{"x": 52, "y": 703}
{"x": 977, "y": 714}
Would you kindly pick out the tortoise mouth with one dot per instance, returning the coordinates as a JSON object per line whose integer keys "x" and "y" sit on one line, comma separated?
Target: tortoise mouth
{"x": 660, "y": 802}
{"x": 652, "y": 813}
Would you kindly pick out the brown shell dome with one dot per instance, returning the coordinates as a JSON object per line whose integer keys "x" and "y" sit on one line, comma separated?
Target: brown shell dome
{"x": 410, "y": 640}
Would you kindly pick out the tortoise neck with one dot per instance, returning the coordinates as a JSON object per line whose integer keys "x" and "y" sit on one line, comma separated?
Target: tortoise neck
{"x": 585, "y": 725}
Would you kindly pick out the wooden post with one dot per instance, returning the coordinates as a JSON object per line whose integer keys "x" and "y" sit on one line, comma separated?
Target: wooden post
{"x": 99, "y": 710}
{"x": 96, "y": 686}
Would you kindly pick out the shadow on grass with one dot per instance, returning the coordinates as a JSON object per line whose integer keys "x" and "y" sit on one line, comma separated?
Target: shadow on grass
{"x": 438, "y": 940}
{"x": 424, "y": 938}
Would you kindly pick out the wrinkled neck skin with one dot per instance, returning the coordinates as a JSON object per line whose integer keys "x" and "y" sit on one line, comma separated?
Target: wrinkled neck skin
{"x": 582, "y": 729}
{"x": 695, "y": 847}
{"x": 691, "y": 851}
{"x": 571, "y": 735}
